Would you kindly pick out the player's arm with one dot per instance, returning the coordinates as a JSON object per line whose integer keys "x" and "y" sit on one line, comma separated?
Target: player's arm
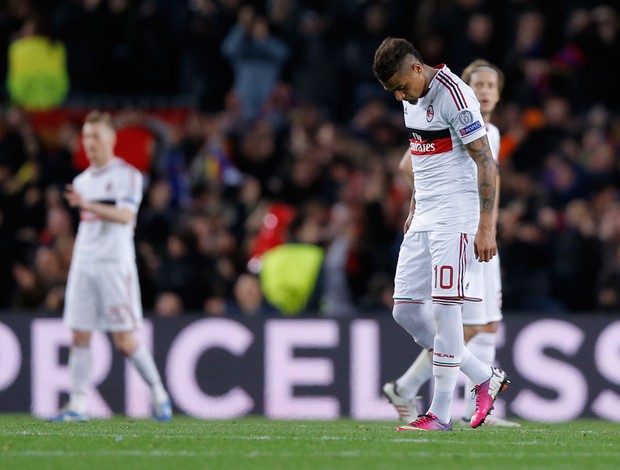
{"x": 406, "y": 168}
{"x": 496, "y": 206}
{"x": 484, "y": 244}
{"x": 105, "y": 211}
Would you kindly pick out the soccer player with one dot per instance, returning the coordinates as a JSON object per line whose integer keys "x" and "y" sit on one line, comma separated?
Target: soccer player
{"x": 103, "y": 290}
{"x": 480, "y": 319}
{"x": 450, "y": 223}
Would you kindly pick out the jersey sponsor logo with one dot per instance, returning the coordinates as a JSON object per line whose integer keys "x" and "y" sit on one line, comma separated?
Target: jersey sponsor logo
{"x": 423, "y": 142}
{"x": 466, "y": 117}
{"x": 473, "y": 127}
{"x": 430, "y": 113}
{"x": 421, "y": 148}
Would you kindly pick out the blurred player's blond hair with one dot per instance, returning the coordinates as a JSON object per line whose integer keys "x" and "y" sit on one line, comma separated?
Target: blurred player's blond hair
{"x": 99, "y": 116}
{"x": 482, "y": 64}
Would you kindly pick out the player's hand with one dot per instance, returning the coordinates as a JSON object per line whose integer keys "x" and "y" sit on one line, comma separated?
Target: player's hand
{"x": 74, "y": 199}
{"x": 485, "y": 246}
{"x": 408, "y": 222}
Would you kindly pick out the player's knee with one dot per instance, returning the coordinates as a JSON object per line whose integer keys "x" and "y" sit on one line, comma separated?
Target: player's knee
{"x": 469, "y": 331}
{"x": 407, "y": 313}
{"x": 398, "y": 313}
{"x": 404, "y": 315}
{"x": 81, "y": 339}
{"x": 411, "y": 317}
{"x": 125, "y": 343}
{"x": 490, "y": 327}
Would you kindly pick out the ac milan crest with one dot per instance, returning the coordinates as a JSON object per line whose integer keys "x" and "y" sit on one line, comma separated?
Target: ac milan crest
{"x": 430, "y": 113}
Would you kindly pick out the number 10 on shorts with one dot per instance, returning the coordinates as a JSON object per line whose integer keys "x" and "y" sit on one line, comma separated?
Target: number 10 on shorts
{"x": 443, "y": 277}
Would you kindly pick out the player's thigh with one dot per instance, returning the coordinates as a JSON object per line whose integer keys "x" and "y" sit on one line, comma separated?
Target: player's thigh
{"x": 119, "y": 302}
{"x": 80, "y": 311}
{"x": 474, "y": 313}
{"x": 483, "y": 281}
{"x": 412, "y": 280}
{"x": 492, "y": 290}
{"x": 452, "y": 255}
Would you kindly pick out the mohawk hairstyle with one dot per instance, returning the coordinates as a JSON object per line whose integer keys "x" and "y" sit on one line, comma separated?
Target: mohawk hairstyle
{"x": 390, "y": 55}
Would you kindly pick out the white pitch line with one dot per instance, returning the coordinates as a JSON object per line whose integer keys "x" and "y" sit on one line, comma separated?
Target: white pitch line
{"x": 362, "y": 439}
{"x": 242, "y": 438}
{"x": 288, "y": 454}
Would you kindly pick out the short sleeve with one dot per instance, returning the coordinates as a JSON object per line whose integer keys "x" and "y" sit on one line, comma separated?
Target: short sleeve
{"x": 494, "y": 141}
{"x": 464, "y": 117}
{"x": 130, "y": 192}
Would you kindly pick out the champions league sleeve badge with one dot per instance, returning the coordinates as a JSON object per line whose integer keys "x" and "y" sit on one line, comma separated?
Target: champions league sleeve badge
{"x": 430, "y": 113}
{"x": 466, "y": 117}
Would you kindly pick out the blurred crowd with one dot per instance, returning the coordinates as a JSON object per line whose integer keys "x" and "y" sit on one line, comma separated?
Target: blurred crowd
{"x": 291, "y": 140}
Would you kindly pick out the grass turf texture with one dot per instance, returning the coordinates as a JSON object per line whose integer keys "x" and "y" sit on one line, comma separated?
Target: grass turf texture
{"x": 185, "y": 443}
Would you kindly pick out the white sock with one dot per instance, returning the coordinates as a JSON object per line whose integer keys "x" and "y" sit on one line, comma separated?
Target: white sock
{"x": 474, "y": 368}
{"x": 447, "y": 356}
{"x": 482, "y": 345}
{"x": 80, "y": 369}
{"x": 145, "y": 365}
{"x": 408, "y": 384}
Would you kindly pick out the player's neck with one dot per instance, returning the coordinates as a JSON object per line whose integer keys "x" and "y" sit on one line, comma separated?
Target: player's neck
{"x": 102, "y": 163}
{"x": 429, "y": 74}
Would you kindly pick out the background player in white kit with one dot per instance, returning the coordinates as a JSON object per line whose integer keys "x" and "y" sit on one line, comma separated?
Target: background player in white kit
{"x": 450, "y": 223}
{"x": 480, "y": 319}
{"x": 103, "y": 292}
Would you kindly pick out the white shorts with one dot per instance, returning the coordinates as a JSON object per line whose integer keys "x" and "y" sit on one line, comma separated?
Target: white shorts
{"x": 434, "y": 265}
{"x": 103, "y": 296}
{"x": 490, "y": 284}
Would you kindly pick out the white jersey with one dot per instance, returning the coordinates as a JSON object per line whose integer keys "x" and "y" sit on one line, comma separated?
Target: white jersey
{"x": 119, "y": 184}
{"x": 494, "y": 141}
{"x": 440, "y": 124}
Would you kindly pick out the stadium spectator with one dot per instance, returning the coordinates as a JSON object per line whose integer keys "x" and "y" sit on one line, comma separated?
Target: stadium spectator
{"x": 180, "y": 269}
{"x": 248, "y": 299}
{"x": 168, "y": 304}
{"x": 257, "y": 58}
{"x": 37, "y": 77}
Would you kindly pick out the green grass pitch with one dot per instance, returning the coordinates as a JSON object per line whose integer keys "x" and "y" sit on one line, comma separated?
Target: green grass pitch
{"x": 257, "y": 443}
